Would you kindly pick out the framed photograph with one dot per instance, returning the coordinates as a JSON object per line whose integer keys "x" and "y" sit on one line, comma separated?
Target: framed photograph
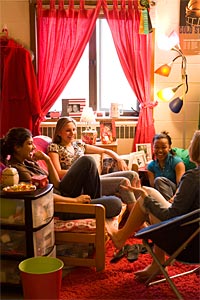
{"x": 107, "y": 132}
{"x": 147, "y": 150}
{"x": 128, "y": 158}
{"x": 72, "y": 107}
{"x": 139, "y": 158}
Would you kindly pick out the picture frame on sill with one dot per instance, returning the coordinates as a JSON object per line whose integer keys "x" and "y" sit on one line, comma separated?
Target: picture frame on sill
{"x": 139, "y": 158}
{"x": 107, "y": 132}
{"x": 72, "y": 107}
{"x": 147, "y": 150}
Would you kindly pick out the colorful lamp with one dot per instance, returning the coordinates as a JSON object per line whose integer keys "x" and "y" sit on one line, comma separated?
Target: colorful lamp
{"x": 176, "y": 104}
{"x": 164, "y": 70}
{"x": 168, "y": 93}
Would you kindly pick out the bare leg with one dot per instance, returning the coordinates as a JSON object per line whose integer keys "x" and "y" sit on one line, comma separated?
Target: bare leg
{"x": 135, "y": 220}
{"x": 153, "y": 267}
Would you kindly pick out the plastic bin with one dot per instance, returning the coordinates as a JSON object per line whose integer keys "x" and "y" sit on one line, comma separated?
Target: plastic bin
{"x": 41, "y": 277}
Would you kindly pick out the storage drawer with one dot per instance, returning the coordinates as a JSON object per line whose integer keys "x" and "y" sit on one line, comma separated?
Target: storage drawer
{"x": 44, "y": 239}
{"x": 12, "y": 210}
{"x": 53, "y": 252}
{"x": 9, "y": 272}
{"x": 42, "y": 209}
{"x": 13, "y": 242}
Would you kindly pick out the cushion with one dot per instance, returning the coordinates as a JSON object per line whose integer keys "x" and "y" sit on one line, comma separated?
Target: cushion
{"x": 109, "y": 165}
{"x": 41, "y": 143}
{"x": 85, "y": 225}
{"x": 82, "y": 225}
{"x": 184, "y": 155}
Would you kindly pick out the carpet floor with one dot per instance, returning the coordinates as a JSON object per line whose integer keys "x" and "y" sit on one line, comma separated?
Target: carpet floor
{"x": 117, "y": 281}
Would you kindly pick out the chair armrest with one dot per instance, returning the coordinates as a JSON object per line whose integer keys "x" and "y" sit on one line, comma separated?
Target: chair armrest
{"x": 95, "y": 209}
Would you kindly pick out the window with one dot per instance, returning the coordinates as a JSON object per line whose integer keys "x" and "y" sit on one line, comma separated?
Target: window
{"x": 111, "y": 83}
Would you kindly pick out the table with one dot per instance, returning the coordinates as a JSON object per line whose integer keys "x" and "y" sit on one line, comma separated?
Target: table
{"x": 112, "y": 146}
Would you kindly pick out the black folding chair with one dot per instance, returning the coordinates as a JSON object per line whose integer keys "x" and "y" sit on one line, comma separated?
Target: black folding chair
{"x": 179, "y": 237}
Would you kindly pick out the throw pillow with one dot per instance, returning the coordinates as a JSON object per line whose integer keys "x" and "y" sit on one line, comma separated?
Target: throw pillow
{"x": 184, "y": 155}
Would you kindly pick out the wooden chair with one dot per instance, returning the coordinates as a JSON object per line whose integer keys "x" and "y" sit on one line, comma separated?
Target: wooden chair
{"x": 96, "y": 237}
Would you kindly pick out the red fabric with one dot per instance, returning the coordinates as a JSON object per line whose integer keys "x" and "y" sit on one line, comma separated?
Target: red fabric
{"x": 62, "y": 37}
{"x": 19, "y": 102}
{"x": 134, "y": 51}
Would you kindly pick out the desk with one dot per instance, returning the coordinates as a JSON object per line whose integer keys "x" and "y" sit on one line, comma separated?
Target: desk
{"x": 112, "y": 146}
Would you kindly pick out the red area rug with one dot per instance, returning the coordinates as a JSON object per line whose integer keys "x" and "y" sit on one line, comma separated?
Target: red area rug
{"x": 117, "y": 281}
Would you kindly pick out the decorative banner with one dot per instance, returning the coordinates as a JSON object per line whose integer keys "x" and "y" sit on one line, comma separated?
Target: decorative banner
{"x": 189, "y": 30}
{"x": 145, "y": 20}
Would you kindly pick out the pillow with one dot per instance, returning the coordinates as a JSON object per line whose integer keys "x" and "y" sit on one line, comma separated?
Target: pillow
{"x": 41, "y": 143}
{"x": 109, "y": 165}
{"x": 82, "y": 225}
{"x": 184, "y": 155}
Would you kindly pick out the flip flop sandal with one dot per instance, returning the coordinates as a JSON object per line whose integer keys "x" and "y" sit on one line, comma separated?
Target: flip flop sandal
{"x": 121, "y": 253}
{"x": 133, "y": 252}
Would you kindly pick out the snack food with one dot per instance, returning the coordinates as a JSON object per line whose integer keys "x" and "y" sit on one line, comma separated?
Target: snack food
{"x": 22, "y": 187}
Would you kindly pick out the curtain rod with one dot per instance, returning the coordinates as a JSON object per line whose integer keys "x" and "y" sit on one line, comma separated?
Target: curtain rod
{"x": 76, "y": 2}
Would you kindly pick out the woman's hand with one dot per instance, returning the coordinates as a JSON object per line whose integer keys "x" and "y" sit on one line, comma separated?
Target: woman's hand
{"x": 83, "y": 199}
{"x": 135, "y": 187}
{"x": 39, "y": 155}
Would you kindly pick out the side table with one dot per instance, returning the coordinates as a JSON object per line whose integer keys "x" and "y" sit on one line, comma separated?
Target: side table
{"x": 112, "y": 146}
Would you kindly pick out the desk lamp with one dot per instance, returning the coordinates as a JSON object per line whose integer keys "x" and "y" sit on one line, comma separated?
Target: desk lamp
{"x": 89, "y": 135}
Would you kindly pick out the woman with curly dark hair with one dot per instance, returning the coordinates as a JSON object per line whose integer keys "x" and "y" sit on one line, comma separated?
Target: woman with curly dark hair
{"x": 166, "y": 169}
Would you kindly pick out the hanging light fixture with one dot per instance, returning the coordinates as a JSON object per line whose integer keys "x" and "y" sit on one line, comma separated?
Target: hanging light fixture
{"x": 165, "y": 69}
{"x": 176, "y": 105}
{"x": 172, "y": 43}
{"x": 168, "y": 93}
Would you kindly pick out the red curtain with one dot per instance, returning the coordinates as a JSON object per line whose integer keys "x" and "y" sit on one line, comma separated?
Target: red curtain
{"x": 62, "y": 35}
{"x": 134, "y": 51}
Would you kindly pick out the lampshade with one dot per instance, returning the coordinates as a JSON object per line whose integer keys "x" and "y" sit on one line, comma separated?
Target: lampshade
{"x": 176, "y": 104}
{"x": 87, "y": 115}
{"x": 168, "y": 42}
{"x": 164, "y": 70}
{"x": 167, "y": 93}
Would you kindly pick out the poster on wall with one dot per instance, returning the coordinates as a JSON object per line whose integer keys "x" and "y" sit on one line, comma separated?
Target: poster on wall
{"x": 189, "y": 29}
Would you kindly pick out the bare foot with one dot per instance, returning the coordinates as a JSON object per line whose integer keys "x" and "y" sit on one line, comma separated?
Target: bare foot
{"x": 148, "y": 271}
{"x": 114, "y": 234}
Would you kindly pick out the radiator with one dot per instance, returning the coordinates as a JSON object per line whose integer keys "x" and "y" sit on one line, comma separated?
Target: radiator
{"x": 125, "y": 133}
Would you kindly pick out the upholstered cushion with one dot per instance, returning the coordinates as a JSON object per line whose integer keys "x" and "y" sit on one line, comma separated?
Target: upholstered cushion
{"x": 184, "y": 155}
{"x": 109, "y": 165}
{"x": 41, "y": 142}
{"x": 85, "y": 225}
{"x": 82, "y": 225}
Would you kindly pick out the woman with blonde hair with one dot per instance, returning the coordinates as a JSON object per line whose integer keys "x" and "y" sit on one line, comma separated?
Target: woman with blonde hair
{"x": 65, "y": 151}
